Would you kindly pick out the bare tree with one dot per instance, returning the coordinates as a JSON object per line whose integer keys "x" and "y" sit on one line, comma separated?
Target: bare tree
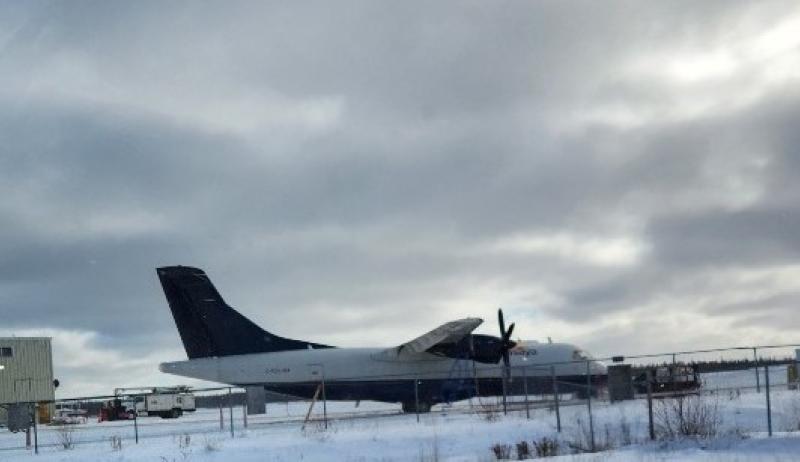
{"x": 686, "y": 416}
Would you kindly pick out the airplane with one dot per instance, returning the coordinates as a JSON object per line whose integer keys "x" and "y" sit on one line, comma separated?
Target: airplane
{"x": 447, "y": 364}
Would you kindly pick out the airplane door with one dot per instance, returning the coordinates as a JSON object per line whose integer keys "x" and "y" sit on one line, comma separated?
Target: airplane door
{"x": 317, "y": 372}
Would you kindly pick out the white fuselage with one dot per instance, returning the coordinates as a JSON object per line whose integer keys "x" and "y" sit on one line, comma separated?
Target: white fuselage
{"x": 531, "y": 359}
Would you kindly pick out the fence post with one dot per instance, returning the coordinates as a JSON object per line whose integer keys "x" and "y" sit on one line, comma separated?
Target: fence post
{"x": 35, "y": 428}
{"x": 589, "y": 401}
{"x": 672, "y": 371}
{"x": 505, "y": 383}
{"x": 651, "y": 426}
{"x": 758, "y": 380}
{"x": 230, "y": 407}
{"x": 556, "y": 397}
{"x": 525, "y": 384}
{"x": 244, "y": 414}
{"x": 324, "y": 401}
{"x": 221, "y": 419}
{"x": 135, "y": 425}
{"x": 416, "y": 396}
{"x": 769, "y": 408}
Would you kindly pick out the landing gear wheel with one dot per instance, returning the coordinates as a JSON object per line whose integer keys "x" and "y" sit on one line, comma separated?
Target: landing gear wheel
{"x": 410, "y": 407}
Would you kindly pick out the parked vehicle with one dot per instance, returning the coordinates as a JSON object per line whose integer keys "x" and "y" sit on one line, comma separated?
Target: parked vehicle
{"x": 69, "y": 416}
{"x": 113, "y": 410}
{"x": 164, "y": 402}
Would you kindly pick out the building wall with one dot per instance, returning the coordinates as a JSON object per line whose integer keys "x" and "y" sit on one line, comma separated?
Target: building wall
{"x": 620, "y": 382}
{"x": 27, "y": 375}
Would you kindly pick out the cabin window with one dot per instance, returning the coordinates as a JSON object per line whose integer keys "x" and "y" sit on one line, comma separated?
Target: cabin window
{"x": 6, "y": 352}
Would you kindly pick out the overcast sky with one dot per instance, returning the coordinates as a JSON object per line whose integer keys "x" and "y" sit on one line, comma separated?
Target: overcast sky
{"x": 622, "y": 175}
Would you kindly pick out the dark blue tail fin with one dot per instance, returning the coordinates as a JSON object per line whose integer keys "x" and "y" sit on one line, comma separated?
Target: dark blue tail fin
{"x": 208, "y": 326}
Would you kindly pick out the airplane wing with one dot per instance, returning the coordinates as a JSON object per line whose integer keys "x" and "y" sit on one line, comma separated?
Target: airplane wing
{"x": 450, "y": 332}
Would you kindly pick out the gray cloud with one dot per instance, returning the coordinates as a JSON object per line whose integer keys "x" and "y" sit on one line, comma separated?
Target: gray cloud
{"x": 397, "y": 165}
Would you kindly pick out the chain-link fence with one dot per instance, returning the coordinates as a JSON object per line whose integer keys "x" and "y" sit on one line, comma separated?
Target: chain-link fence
{"x": 697, "y": 394}
{"x": 690, "y": 393}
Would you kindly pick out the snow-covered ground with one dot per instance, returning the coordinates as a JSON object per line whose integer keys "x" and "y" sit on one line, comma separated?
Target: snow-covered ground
{"x": 378, "y": 432}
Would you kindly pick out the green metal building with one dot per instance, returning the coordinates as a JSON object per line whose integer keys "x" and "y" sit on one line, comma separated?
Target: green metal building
{"x": 26, "y": 373}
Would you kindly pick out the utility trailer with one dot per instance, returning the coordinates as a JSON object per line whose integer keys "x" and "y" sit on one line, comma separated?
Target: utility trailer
{"x": 164, "y": 402}
{"x": 672, "y": 378}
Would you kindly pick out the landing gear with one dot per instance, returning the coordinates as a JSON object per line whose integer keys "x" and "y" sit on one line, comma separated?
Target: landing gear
{"x": 410, "y": 407}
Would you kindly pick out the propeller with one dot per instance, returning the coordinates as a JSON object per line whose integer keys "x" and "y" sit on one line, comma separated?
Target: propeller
{"x": 505, "y": 338}
{"x": 505, "y": 345}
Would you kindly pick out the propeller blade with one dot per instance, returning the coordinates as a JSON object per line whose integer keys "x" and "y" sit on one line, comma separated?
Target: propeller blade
{"x": 507, "y": 335}
{"x": 506, "y": 358}
{"x": 501, "y": 321}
